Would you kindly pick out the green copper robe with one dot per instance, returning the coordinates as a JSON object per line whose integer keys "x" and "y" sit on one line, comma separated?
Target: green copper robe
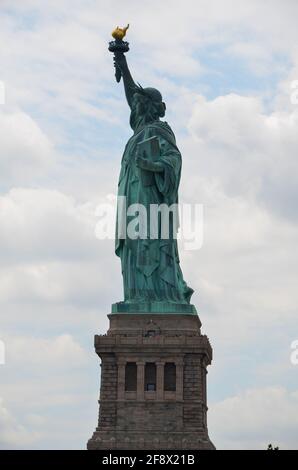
{"x": 150, "y": 267}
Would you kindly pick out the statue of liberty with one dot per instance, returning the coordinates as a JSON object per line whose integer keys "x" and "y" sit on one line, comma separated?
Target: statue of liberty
{"x": 150, "y": 175}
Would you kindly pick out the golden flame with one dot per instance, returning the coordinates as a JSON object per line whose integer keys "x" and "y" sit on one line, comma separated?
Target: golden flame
{"x": 119, "y": 33}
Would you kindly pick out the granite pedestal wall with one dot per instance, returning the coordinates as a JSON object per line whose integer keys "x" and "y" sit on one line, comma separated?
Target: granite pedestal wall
{"x": 153, "y": 383}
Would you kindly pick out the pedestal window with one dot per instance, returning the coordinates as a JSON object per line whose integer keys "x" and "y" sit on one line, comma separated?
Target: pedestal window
{"x": 170, "y": 377}
{"x": 150, "y": 377}
{"x": 131, "y": 377}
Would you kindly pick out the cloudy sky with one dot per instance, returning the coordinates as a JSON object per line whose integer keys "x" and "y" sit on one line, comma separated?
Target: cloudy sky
{"x": 225, "y": 70}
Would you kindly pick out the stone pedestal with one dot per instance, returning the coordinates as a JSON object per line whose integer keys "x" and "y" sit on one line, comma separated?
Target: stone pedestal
{"x": 153, "y": 383}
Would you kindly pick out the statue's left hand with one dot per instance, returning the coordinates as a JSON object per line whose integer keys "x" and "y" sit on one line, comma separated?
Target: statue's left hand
{"x": 148, "y": 165}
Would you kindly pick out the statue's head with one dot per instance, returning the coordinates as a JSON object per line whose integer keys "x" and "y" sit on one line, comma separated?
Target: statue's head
{"x": 147, "y": 103}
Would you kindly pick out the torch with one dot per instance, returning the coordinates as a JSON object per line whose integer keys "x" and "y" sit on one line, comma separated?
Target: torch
{"x": 118, "y": 46}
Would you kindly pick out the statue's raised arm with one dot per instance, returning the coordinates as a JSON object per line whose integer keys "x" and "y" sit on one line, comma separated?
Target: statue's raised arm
{"x": 129, "y": 84}
{"x": 119, "y": 47}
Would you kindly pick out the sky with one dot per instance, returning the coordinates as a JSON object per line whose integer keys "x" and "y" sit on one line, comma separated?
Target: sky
{"x": 226, "y": 71}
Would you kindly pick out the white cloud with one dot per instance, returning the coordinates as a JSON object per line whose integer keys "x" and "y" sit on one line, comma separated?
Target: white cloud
{"x": 255, "y": 418}
{"x": 248, "y": 151}
{"x": 13, "y": 434}
{"x": 26, "y": 152}
{"x": 60, "y": 352}
{"x": 45, "y": 224}
{"x": 49, "y": 248}
{"x": 51, "y": 377}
